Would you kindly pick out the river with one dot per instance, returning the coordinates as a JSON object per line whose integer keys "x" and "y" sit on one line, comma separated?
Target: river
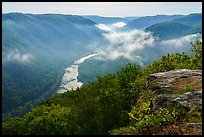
{"x": 69, "y": 80}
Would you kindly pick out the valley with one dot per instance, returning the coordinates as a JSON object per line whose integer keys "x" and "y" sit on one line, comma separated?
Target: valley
{"x": 68, "y": 73}
{"x": 42, "y": 44}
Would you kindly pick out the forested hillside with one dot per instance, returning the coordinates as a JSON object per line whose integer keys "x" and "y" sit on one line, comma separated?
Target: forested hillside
{"x": 112, "y": 103}
{"x": 90, "y": 69}
{"x": 190, "y": 24}
{"x": 35, "y": 50}
{"x": 147, "y": 21}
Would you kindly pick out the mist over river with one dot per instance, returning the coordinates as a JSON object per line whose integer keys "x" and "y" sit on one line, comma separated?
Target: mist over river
{"x": 69, "y": 80}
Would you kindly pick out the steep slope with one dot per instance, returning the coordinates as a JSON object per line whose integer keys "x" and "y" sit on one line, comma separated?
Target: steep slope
{"x": 190, "y": 24}
{"x": 144, "y": 22}
{"x": 90, "y": 69}
{"x": 35, "y": 50}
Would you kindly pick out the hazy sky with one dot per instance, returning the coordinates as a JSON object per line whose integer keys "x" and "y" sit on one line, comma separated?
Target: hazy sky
{"x": 104, "y": 8}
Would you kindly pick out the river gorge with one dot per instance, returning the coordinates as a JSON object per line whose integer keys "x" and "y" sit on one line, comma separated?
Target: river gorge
{"x": 69, "y": 80}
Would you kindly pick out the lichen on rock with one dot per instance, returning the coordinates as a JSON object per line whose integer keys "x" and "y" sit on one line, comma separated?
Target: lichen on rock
{"x": 177, "y": 79}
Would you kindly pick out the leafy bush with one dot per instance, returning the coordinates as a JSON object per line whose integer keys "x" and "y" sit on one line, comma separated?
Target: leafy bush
{"x": 143, "y": 116}
{"x": 153, "y": 86}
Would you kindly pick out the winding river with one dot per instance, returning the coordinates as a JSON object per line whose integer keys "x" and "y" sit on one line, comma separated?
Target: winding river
{"x": 69, "y": 80}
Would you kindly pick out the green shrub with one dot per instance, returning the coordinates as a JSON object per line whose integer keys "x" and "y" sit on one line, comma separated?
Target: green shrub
{"x": 153, "y": 86}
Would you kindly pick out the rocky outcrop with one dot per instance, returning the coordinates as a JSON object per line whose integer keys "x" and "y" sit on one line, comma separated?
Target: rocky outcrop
{"x": 188, "y": 99}
{"x": 177, "y": 79}
{"x": 167, "y": 82}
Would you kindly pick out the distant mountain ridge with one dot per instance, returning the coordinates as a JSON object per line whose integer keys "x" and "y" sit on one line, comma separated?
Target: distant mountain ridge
{"x": 109, "y": 20}
{"x": 144, "y": 22}
{"x": 186, "y": 25}
{"x": 44, "y": 30}
{"x": 17, "y": 16}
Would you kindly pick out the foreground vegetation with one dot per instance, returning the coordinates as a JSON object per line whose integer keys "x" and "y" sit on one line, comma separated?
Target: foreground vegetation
{"x": 109, "y": 104}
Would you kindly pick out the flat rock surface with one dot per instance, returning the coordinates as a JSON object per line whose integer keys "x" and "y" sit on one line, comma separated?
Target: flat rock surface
{"x": 177, "y": 79}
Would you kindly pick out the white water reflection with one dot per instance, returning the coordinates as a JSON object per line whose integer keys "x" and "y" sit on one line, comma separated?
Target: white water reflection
{"x": 69, "y": 80}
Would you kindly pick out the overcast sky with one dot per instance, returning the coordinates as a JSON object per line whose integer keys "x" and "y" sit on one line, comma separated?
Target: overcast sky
{"x": 119, "y": 9}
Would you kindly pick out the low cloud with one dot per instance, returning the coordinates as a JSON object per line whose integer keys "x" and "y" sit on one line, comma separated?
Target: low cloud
{"x": 128, "y": 44}
{"x": 178, "y": 42}
{"x": 119, "y": 24}
{"x": 17, "y": 56}
{"x": 104, "y": 27}
{"x": 141, "y": 47}
{"x": 181, "y": 44}
{"x": 111, "y": 27}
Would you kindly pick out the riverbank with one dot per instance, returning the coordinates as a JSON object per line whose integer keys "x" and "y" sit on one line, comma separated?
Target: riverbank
{"x": 69, "y": 80}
